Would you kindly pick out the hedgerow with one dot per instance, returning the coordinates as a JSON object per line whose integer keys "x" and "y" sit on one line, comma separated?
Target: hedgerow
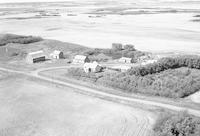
{"x": 173, "y": 83}
{"x": 179, "y": 124}
{"x": 165, "y": 64}
{"x": 11, "y": 38}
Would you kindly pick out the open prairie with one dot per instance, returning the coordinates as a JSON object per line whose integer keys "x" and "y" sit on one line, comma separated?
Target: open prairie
{"x": 30, "y": 108}
{"x": 153, "y": 25}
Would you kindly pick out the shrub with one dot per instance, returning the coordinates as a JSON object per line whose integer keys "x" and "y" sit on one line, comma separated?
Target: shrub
{"x": 196, "y": 16}
{"x": 129, "y": 47}
{"x": 116, "y": 52}
{"x": 165, "y": 64}
{"x": 180, "y": 124}
{"x": 164, "y": 78}
{"x": 10, "y": 38}
{"x": 173, "y": 83}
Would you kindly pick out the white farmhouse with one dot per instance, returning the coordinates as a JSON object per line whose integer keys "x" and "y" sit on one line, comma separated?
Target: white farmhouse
{"x": 92, "y": 67}
{"x": 125, "y": 60}
{"x": 57, "y": 54}
{"x": 81, "y": 59}
{"x": 35, "y": 57}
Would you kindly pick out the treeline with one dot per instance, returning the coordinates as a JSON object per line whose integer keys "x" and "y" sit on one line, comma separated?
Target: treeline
{"x": 180, "y": 124}
{"x": 172, "y": 83}
{"x": 11, "y": 38}
{"x": 165, "y": 64}
{"x": 177, "y": 83}
{"x": 169, "y": 77}
{"x": 115, "y": 54}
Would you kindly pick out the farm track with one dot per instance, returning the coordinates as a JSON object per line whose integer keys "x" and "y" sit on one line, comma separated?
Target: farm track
{"x": 101, "y": 94}
{"x": 142, "y": 123}
{"x": 129, "y": 123}
{"x": 120, "y": 98}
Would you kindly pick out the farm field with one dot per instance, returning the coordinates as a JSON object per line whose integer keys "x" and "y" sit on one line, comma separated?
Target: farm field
{"x": 32, "y": 108}
{"x": 150, "y": 29}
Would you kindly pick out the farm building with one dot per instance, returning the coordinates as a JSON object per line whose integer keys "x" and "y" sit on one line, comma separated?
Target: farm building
{"x": 125, "y": 60}
{"x": 148, "y": 62}
{"x": 92, "y": 67}
{"x": 117, "y": 46}
{"x": 81, "y": 59}
{"x": 121, "y": 68}
{"x": 35, "y": 57}
{"x": 57, "y": 54}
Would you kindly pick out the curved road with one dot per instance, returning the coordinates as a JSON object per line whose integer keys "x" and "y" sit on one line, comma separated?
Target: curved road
{"x": 124, "y": 121}
{"x": 102, "y": 94}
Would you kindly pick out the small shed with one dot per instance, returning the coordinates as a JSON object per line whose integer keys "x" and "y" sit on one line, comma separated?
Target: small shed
{"x": 81, "y": 59}
{"x": 126, "y": 60}
{"x": 92, "y": 67}
{"x": 57, "y": 54}
{"x": 122, "y": 68}
{"x": 34, "y": 57}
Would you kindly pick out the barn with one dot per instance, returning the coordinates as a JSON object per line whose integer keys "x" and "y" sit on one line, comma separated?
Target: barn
{"x": 57, "y": 54}
{"x": 92, "y": 67}
{"x": 81, "y": 59}
{"x": 125, "y": 60}
{"x": 34, "y": 57}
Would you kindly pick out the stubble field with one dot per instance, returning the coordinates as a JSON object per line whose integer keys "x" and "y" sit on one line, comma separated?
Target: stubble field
{"x": 37, "y": 109}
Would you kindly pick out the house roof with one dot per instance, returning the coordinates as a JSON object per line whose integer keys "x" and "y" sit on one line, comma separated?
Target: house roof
{"x": 36, "y": 54}
{"x": 56, "y": 52}
{"x": 91, "y": 65}
{"x": 80, "y": 57}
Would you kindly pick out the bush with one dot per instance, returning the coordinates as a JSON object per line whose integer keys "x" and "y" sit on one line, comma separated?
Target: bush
{"x": 114, "y": 54}
{"x": 129, "y": 47}
{"x": 164, "y": 78}
{"x": 173, "y": 83}
{"x": 165, "y": 64}
{"x": 180, "y": 124}
{"x": 196, "y": 16}
{"x": 10, "y": 38}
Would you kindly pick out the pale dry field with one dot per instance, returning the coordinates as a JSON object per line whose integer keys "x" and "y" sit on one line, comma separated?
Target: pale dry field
{"x": 29, "y": 108}
{"x": 168, "y": 31}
